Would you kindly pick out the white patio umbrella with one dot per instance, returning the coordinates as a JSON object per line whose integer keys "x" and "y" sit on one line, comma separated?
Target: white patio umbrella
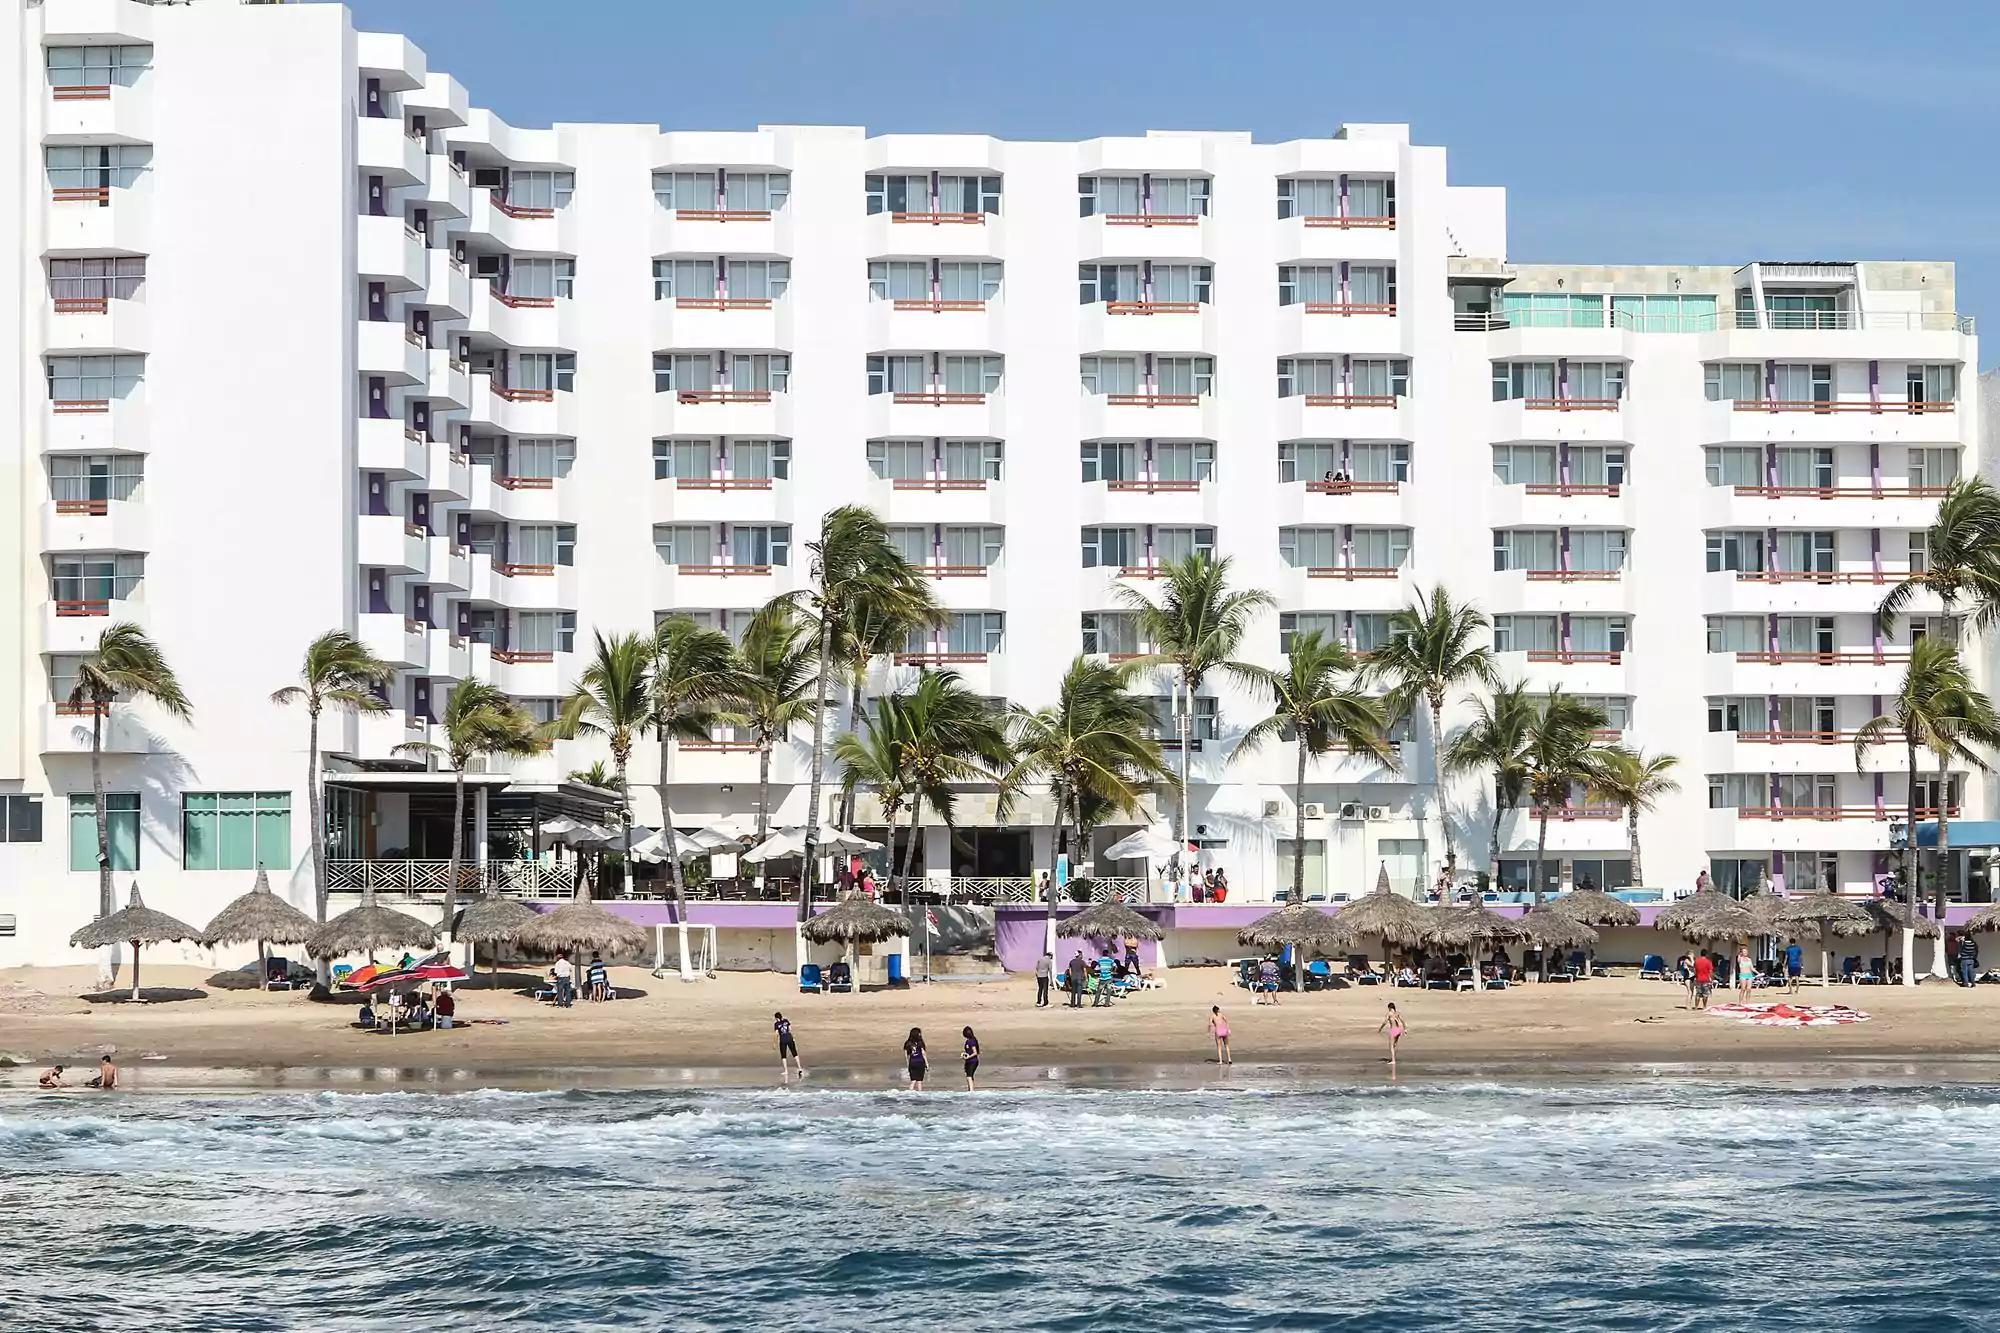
{"x": 1154, "y": 844}
{"x": 780, "y": 845}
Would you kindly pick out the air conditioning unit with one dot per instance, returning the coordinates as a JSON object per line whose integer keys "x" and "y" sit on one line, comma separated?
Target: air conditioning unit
{"x": 1272, "y": 810}
{"x": 1378, "y": 812}
{"x": 1350, "y": 810}
{"x": 1314, "y": 810}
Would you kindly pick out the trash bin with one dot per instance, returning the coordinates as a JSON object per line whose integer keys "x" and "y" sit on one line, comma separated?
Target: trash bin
{"x": 896, "y": 977}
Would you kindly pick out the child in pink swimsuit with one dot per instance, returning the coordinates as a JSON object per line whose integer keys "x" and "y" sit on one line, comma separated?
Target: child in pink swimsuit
{"x": 1218, "y": 1028}
{"x": 1393, "y": 1025}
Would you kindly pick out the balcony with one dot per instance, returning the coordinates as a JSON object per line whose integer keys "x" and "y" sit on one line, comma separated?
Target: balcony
{"x": 384, "y": 146}
{"x": 1344, "y": 416}
{"x": 97, "y": 426}
{"x": 72, "y": 625}
{"x": 96, "y": 324}
{"x": 941, "y": 659}
{"x": 1574, "y": 575}
{"x": 447, "y": 287}
{"x": 536, "y": 880}
{"x": 1350, "y": 573}
{"x": 66, "y": 729}
{"x": 1353, "y": 487}
{"x": 1844, "y": 421}
{"x": 386, "y": 445}
{"x": 722, "y": 483}
{"x": 1861, "y": 657}
{"x": 398, "y": 640}
{"x": 1577, "y": 656}
{"x": 941, "y": 398}
{"x": 390, "y": 543}
{"x": 96, "y": 525}
{"x": 395, "y": 353}
{"x": 1835, "y": 813}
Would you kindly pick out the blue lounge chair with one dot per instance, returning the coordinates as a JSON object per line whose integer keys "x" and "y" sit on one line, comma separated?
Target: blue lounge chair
{"x": 1319, "y": 974}
{"x": 1854, "y": 974}
{"x": 810, "y": 981}
{"x": 1578, "y": 964}
{"x": 840, "y": 978}
{"x": 1653, "y": 968}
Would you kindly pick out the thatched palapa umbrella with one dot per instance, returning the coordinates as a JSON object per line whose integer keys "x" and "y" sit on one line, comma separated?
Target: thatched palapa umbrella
{"x": 1299, "y": 927}
{"x": 1548, "y": 927}
{"x": 492, "y": 920}
{"x": 579, "y": 925}
{"x": 369, "y": 927}
{"x": 1890, "y": 917}
{"x": 1708, "y": 917}
{"x": 1109, "y": 920}
{"x": 1986, "y": 918}
{"x": 1828, "y": 914}
{"x": 263, "y": 916}
{"x": 854, "y": 921}
{"x": 1385, "y": 913}
{"x": 1595, "y": 907}
{"x": 1467, "y": 928}
{"x": 136, "y": 923}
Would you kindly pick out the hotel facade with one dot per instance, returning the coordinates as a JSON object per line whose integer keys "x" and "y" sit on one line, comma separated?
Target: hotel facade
{"x": 381, "y": 361}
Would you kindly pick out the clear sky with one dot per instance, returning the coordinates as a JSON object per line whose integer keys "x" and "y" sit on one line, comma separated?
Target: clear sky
{"x": 1689, "y": 131}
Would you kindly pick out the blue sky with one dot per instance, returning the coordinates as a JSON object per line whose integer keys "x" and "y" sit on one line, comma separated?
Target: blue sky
{"x": 1699, "y": 133}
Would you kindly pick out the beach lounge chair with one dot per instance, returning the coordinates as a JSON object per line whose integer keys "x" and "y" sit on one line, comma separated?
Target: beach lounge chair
{"x": 840, "y": 978}
{"x": 1319, "y": 974}
{"x": 1653, "y": 968}
{"x": 810, "y": 980}
{"x": 1579, "y": 965}
{"x": 1854, "y": 974}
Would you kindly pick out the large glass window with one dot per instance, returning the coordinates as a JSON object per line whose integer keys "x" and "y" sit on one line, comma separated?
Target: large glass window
{"x": 95, "y": 477}
{"x": 1932, "y": 384}
{"x": 684, "y": 189}
{"x": 1739, "y": 551}
{"x": 968, "y": 280}
{"x": 1309, "y": 548}
{"x": 1314, "y": 375}
{"x": 541, "y": 457}
{"x": 236, "y": 830}
{"x": 1371, "y": 197}
{"x": 761, "y": 544}
{"x": 968, "y": 194}
{"x": 95, "y": 578}
{"x": 110, "y": 278}
{"x": 756, "y": 191}
{"x": 912, "y": 541}
{"x": 1111, "y": 548}
{"x": 1308, "y": 197}
{"x": 899, "y": 279}
{"x": 1178, "y": 543}
{"x": 758, "y": 279}
{"x": 1734, "y": 465}
{"x": 1381, "y": 548}
{"x": 1598, "y": 634}
{"x": 1292, "y": 624}
{"x": 969, "y": 374}
{"x": 1597, "y": 549}
{"x": 760, "y": 460}
{"x": 20, "y": 818}
{"x": 540, "y": 189}
{"x": 1183, "y": 282}
{"x": 899, "y": 193}
{"x": 1733, "y": 381}
{"x": 972, "y": 460}
{"x": 543, "y": 278}
{"x": 683, "y": 372}
{"x": 1670, "y": 312}
{"x": 1109, "y": 282}
{"x": 1381, "y": 377}
{"x": 1524, "y": 464}
{"x": 769, "y": 372}
{"x": 94, "y": 378}
{"x": 972, "y": 545}
{"x": 1301, "y": 284}
{"x": 1553, "y": 310}
{"x": 97, "y": 66}
{"x": 1110, "y": 632}
{"x": 898, "y": 374}
{"x": 1110, "y": 374}
{"x": 1932, "y": 467}
{"x": 1108, "y": 195}
{"x": 975, "y": 632}
{"x": 1185, "y": 374}
{"x": 684, "y": 543}
{"x": 1737, "y": 634}
{"x": 1111, "y": 460}
{"x": 1372, "y": 284}
{"x": 899, "y": 460}
{"x": 1526, "y": 548}
{"x": 1522, "y": 634}
{"x": 1184, "y": 460}
{"x": 90, "y": 166}
{"x": 121, "y": 828}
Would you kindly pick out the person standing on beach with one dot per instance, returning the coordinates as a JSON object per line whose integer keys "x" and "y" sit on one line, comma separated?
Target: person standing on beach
{"x": 565, "y": 977}
{"x": 971, "y": 1059}
{"x": 1393, "y": 1025}
{"x": 913, "y": 1049}
{"x": 1078, "y": 973}
{"x": 788, "y": 1049}
{"x": 1704, "y": 979}
{"x": 1746, "y": 970}
{"x": 1795, "y": 966}
{"x": 1218, "y": 1028}
{"x": 1045, "y": 970}
{"x": 597, "y": 977}
{"x": 1968, "y": 960}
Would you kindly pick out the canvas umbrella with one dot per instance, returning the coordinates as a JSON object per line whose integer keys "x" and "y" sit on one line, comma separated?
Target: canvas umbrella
{"x": 1297, "y": 926}
{"x": 1385, "y": 913}
{"x": 492, "y": 920}
{"x": 263, "y": 916}
{"x": 369, "y": 927}
{"x": 135, "y": 923}
{"x": 1829, "y": 914}
{"x": 780, "y": 846}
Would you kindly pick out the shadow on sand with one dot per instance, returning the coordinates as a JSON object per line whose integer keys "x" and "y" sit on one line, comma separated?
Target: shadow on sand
{"x": 147, "y": 995}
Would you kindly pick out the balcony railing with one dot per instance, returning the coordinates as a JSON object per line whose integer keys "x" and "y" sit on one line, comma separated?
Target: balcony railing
{"x": 723, "y": 395}
{"x": 1151, "y": 219}
{"x": 1152, "y": 399}
{"x": 946, "y": 571}
{"x": 1323, "y": 487}
{"x": 718, "y": 747}
{"x": 940, "y": 659}
{"x": 1575, "y": 575}
{"x": 723, "y": 571}
{"x": 82, "y": 305}
{"x": 1568, "y": 813}
{"x": 512, "y": 879}
{"x": 523, "y": 656}
{"x": 722, "y": 483}
{"x": 81, "y": 92}
{"x": 75, "y": 406}
{"x": 87, "y": 708}
{"x": 1864, "y": 657}
{"x": 1801, "y": 738}
{"x": 1350, "y": 307}
{"x": 525, "y": 483}
{"x": 513, "y": 302}
{"x": 1577, "y": 656}
{"x": 83, "y": 606}
{"x": 524, "y": 395}
{"x": 722, "y": 303}
{"x": 1569, "y": 489}
{"x": 1348, "y": 221}
{"x": 722, "y": 215}
{"x": 1882, "y": 813}
{"x": 1353, "y": 571}
{"x": 1147, "y": 571}
{"x": 1567, "y": 404}
{"x": 525, "y": 571}
{"x": 1151, "y": 487}
{"x": 1842, "y": 492}
{"x": 938, "y": 484}
{"x": 940, "y": 219}
{"x": 936, "y": 305}
{"x": 1152, "y": 307}
{"x": 938, "y": 398}
{"x": 97, "y": 508}
{"x": 1828, "y": 576}
{"x": 81, "y": 194}
{"x": 1350, "y": 400}
{"x": 521, "y": 210}
{"x": 1879, "y": 407}
{"x": 1484, "y": 321}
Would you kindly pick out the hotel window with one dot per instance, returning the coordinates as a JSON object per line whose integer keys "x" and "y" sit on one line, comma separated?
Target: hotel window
{"x": 1525, "y": 548}
{"x": 547, "y": 370}
{"x": 972, "y": 544}
{"x": 684, "y": 189}
{"x": 1920, "y": 552}
{"x": 756, "y": 191}
{"x": 1599, "y": 634}
{"x": 761, "y": 544}
{"x": 968, "y": 280}
{"x": 683, "y": 277}
{"x": 1596, "y": 465}
{"x": 1617, "y": 708}
{"x": 1553, "y": 310}
{"x": 1804, "y": 634}
{"x": 684, "y": 543}
{"x": 1523, "y": 379}
{"x": 1299, "y": 375}
{"x": 969, "y": 374}
{"x": 542, "y": 278}
{"x": 1378, "y": 461}
{"x": 1372, "y": 629}
{"x": 1804, "y": 552}
{"x": 899, "y": 193}
{"x": 1739, "y": 551}
{"x": 121, "y": 830}
{"x": 544, "y": 631}
{"x": 1110, "y": 460}
{"x": 1670, "y": 312}
{"x": 1110, "y": 374}
{"x": 1737, "y": 634}
{"x": 760, "y": 460}
{"x": 1734, "y": 465}
{"x": 683, "y": 372}
{"x": 899, "y": 460}
{"x": 1380, "y": 377}
{"x": 1371, "y": 197}
{"x": 1184, "y": 374}
{"x": 1184, "y": 460}
{"x": 236, "y": 830}
{"x": 1804, "y": 713}
{"x": 1597, "y": 549}
{"x": 898, "y": 374}
{"x": 20, "y": 818}
{"x": 1112, "y": 548}
{"x": 96, "y": 165}
{"x": 1932, "y": 384}
{"x": 1932, "y": 467}
{"x": 1109, "y": 282}
{"x": 968, "y": 194}
{"x": 97, "y": 66}
{"x": 1738, "y": 712}
{"x": 1176, "y": 543}
{"x": 899, "y": 279}
{"x": 95, "y": 477}
{"x": 1292, "y": 624}
{"x": 1372, "y": 284}
{"x": 95, "y": 578}
{"x": 545, "y": 544}
{"x": 1097, "y": 196}
{"x": 1733, "y": 381}
{"x": 1309, "y": 197}
{"x": 1381, "y": 548}
{"x": 692, "y": 460}
{"x": 541, "y": 458}
{"x": 1524, "y": 464}
{"x": 759, "y": 279}
{"x": 1817, "y": 310}
{"x": 1203, "y": 724}
{"x": 911, "y": 541}
{"x": 540, "y": 189}
{"x": 972, "y": 460}
{"x": 1802, "y": 383}
{"x": 1308, "y": 460}
{"x": 94, "y": 378}
{"x": 1179, "y": 196}
{"x": 541, "y": 710}
{"x": 111, "y": 278}
{"x": 1802, "y": 467}
{"x": 1110, "y": 632}
{"x": 1302, "y": 283}
{"x": 1309, "y": 548}
{"x": 1525, "y": 634}
{"x": 1803, "y": 791}
{"x": 770, "y": 372}
{"x": 975, "y": 632}
{"x": 1183, "y": 282}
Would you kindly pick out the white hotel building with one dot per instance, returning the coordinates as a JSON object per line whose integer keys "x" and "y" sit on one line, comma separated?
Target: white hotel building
{"x": 370, "y": 357}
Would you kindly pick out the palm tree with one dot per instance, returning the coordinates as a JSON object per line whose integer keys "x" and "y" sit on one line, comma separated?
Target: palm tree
{"x": 873, "y": 756}
{"x": 1939, "y": 709}
{"x": 878, "y": 627}
{"x": 696, "y": 687}
{"x": 1315, "y": 706}
{"x": 597, "y": 775}
{"x": 126, "y": 665}
{"x": 1196, "y": 627}
{"x": 613, "y": 699}
{"x": 340, "y": 673}
{"x": 1092, "y": 748}
{"x": 478, "y": 721}
{"x": 1637, "y": 781}
{"x": 1435, "y": 645}
{"x": 1496, "y": 741}
{"x": 1961, "y": 557}
{"x": 779, "y": 666}
{"x": 951, "y": 737}
{"x": 859, "y": 580}
{"x": 1561, "y": 753}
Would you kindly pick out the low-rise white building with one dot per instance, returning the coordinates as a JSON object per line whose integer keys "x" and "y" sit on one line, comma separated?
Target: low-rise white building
{"x": 376, "y": 359}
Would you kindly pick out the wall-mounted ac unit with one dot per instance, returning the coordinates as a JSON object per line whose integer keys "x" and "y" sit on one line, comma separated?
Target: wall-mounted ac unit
{"x": 1378, "y": 812}
{"x": 1351, "y": 810}
{"x": 1272, "y": 810}
{"x": 1314, "y": 810}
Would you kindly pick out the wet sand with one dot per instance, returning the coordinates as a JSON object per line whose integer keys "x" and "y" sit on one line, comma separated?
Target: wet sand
{"x": 718, "y": 1033}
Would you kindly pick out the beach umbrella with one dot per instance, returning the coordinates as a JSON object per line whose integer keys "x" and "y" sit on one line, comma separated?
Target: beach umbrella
{"x": 1708, "y": 917}
{"x": 1153, "y": 844}
{"x": 780, "y": 846}
{"x": 1829, "y": 914}
{"x": 1381, "y": 877}
{"x": 1108, "y": 920}
{"x": 1549, "y": 927}
{"x": 369, "y": 927}
{"x": 1890, "y": 917}
{"x": 1986, "y": 918}
{"x": 853, "y": 921}
{"x": 1595, "y": 907}
{"x": 137, "y": 924}
{"x": 1385, "y": 913}
{"x": 263, "y": 916}
{"x": 492, "y": 920}
{"x": 580, "y": 925}
{"x": 1467, "y": 928}
{"x": 1298, "y": 926}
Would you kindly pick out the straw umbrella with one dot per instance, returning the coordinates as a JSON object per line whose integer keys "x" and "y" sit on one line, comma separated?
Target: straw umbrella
{"x": 1548, "y": 928}
{"x": 492, "y": 920}
{"x": 1467, "y": 928}
{"x": 579, "y": 925}
{"x": 1385, "y": 913}
{"x": 369, "y": 927}
{"x": 854, "y": 921}
{"x": 1595, "y": 907}
{"x": 1297, "y": 926}
{"x": 1890, "y": 917}
{"x": 136, "y": 923}
{"x": 1829, "y": 914}
{"x": 263, "y": 916}
{"x": 1109, "y": 919}
{"x": 1709, "y": 917}
{"x": 1986, "y": 918}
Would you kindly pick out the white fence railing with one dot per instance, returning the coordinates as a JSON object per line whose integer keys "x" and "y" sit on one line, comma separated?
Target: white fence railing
{"x": 421, "y": 878}
{"x": 1598, "y": 317}
{"x": 1021, "y": 888}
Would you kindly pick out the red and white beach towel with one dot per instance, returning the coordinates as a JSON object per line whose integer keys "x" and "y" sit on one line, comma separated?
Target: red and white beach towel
{"x": 1789, "y": 1015}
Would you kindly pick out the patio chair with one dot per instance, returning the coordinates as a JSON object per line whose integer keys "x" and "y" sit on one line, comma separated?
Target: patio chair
{"x": 1854, "y": 974}
{"x": 1653, "y": 968}
{"x": 810, "y": 980}
{"x": 840, "y": 979}
{"x": 1579, "y": 965}
{"x": 1319, "y": 974}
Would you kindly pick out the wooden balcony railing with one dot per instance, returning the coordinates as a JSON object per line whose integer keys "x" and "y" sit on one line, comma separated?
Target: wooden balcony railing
{"x": 1350, "y": 307}
{"x": 940, "y": 219}
{"x": 98, "y": 508}
{"x": 723, "y": 571}
{"x": 1350, "y": 400}
{"x": 722, "y": 483}
{"x": 416, "y": 530}
{"x": 1151, "y": 219}
{"x": 81, "y": 305}
{"x": 1577, "y": 656}
{"x": 1152, "y": 487}
{"x": 1872, "y": 408}
{"x": 72, "y": 406}
{"x": 523, "y": 656}
{"x": 1800, "y": 737}
{"x": 724, "y": 395}
{"x": 513, "y": 302}
{"x": 524, "y": 395}
{"x": 1567, "y": 489}
{"x": 88, "y": 708}
{"x": 1571, "y": 404}
{"x": 1828, "y": 576}
{"x": 1568, "y": 813}
{"x": 413, "y": 435}
{"x": 1879, "y": 657}
{"x": 936, "y": 305}
{"x": 520, "y": 210}
{"x": 1141, "y": 571}
{"x": 525, "y": 571}
{"x": 939, "y": 659}
{"x": 722, "y": 215}
{"x": 943, "y": 571}
{"x": 82, "y": 606}
{"x": 718, "y": 747}
{"x": 1607, "y": 735}
{"x": 1324, "y": 487}
{"x": 722, "y": 303}
{"x": 1350, "y": 223}
{"x": 81, "y": 194}
{"x": 1883, "y": 813}
{"x": 1152, "y": 399}
{"x": 413, "y": 626}
{"x": 81, "y": 92}
{"x": 938, "y": 484}
{"x": 938, "y": 398}
{"x": 1152, "y": 307}
{"x": 1351, "y": 572}
{"x": 525, "y": 483}
{"x": 1575, "y": 575}
{"x": 1841, "y": 492}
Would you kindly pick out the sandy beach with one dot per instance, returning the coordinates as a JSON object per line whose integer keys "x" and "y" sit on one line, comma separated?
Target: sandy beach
{"x": 721, "y": 1030}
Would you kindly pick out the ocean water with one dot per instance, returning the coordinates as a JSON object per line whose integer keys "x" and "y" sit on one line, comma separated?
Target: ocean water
{"x": 1659, "y": 1205}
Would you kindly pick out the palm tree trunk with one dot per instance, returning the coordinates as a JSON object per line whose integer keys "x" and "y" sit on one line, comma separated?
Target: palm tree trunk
{"x": 1910, "y": 863}
{"x": 667, "y": 831}
{"x": 97, "y": 707}
{"x": 1632, "y": 838}
{"x": 263, "y": 968}
{"x": 1541, "y": 851}
{"x": 1181, "y": 800}
{"x": 1437, "y": 786}
{"x": 857, "y": 689}
{"x": 621, "y": 758}
{"x": 819, "y": 749}
{"x": 316, "y": 835}
{"x": 1299, "y": 827}
{"x": 1938, "y": 884}
{"x": 457, "y": 851}
{"x": 1493, "y": 837}
{"x": 900, "y": 865}
{"x": 1055, "y": 857}
{"x": 763, "y": 788}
